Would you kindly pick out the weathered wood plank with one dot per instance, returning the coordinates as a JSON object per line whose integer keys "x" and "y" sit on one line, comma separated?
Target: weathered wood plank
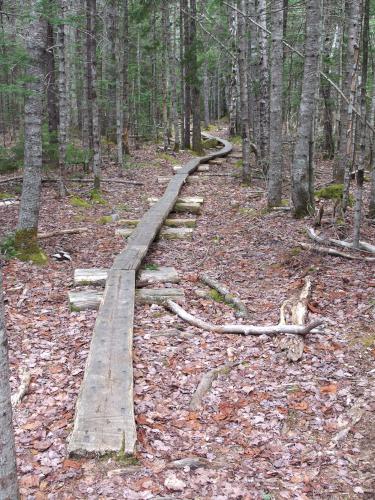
{"x": 91, "y": 299}
{"x": 176, "y": 233}
{"x": 184, "y": 199}
{"x": 131, "y": 223}
{"x": 98, "y": 277}
{"x": 104, "y": 420}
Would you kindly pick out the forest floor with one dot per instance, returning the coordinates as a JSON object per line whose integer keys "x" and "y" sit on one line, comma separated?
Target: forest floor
{"x": 268, "y": 429}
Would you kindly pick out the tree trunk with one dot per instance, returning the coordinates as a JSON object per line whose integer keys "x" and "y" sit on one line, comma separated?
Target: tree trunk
{"x": 26, "y": 234}
{"x": 187, "y": 73}
{"x": 195, "y": 90}
{"x": 119, "y": 88}
{"x": 8, "y": 468}
{"x": 275, "y": 172}
{"x": 165, "y": 79}
{"x": 63, "y": 98}
{"x": 232, "y": 91}
{"x": 92, "y": 91}
{"x": 349, "y": 87}
{"x": 53, "y": 116}
{"x": 173, "y": 74}
{"x": 246, "y": 173}
{"x": 328, "y": 145}
{"x": 302, "y": 180}
{"x": 206, "y": 95}
{"x": 264, "y": 119}
{"x": 363, "y": 128}
{"x": 126, "y": 78}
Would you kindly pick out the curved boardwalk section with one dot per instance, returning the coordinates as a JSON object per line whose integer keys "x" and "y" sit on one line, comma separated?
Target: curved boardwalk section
{"x": 104, "y": 420}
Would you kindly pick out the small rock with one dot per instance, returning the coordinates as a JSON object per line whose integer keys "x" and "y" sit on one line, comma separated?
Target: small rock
{"x": 174, "y": 484}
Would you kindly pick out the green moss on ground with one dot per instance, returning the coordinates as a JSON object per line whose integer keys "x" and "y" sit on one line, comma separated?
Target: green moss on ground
{"x": 215, "y": 295}
{"x": 78, "y": 202}
{"x": 210, "y": 143}
{"x": 5, "y": 196}
{"x": 106, "y": 219}
{"x": 97, "y": 198}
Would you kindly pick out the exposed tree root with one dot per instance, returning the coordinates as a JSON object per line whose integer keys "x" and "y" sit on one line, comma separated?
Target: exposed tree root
{"x": 62, "y": 232}
{"x": 228, "y": 297}
{"x": 23, "y": 388}
{"x": 206, "y": 382}
{"x": 243, "y": 329}
{"x": 335, "y": 253}
{"x": 363, "y": 245}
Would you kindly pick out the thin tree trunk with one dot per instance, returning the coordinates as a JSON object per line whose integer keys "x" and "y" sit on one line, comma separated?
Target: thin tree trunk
{"x": 246, "y": 172}
{"x": 165, "y": 79}
{"x": 206, "y": 95}
{"x": 349, "y": 87}
{"x": 329, "y": 145}
{"x": 63, "y": 98}
{"x": 173, "y": 75}
{"x": 363, "y": 129}
{"x": 182, "y": 73}
{"x": 232, "y": 92}
{"x": 92, "y": 91}
{"x": 119, "y": 88}
{"x": 303, "y": 153}
{"x": 264, "y": 119}
{"x": 26, "y": 234}
{"x": 8, "y": 467}
{"x": 53, "y": 116}
{"x": 275, "y": 172}
{"x": 195, "y": 90}
{"x": 187, "y": 73}
{"x": 126, "y": 78}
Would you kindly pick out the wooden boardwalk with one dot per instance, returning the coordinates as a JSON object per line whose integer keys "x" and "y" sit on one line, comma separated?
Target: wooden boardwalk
{"x": 104, "y": 420}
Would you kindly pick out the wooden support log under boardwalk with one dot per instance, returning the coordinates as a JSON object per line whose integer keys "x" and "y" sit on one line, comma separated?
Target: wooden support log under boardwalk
{"x": 104, "y": 420}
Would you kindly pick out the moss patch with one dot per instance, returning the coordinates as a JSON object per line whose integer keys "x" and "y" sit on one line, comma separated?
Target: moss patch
{"x": 5, "y": 196}
{"x": 169, "y": 158}
{"x": 210, "y": 143}
{"x": 78, "y": 202}
{"x": 97, "y": 198}
{"x": 27, "y": 248}
{"x": 215, "y": 295}
{"x": 106, "y": 219}
{"x": 332, "y": 192}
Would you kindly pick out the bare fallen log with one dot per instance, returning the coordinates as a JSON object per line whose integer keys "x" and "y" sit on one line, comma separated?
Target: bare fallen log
{"x": 62, "y": 232}
{"x": 228, "y": 297}
{"x": 335, "y": 253}
{"x": 295, "y": 310}
{"x": 113, "y": 181}
{"x": 243, "y": 329}
{"x": 22, "y": 390}
{"x": 206, "y": 382}
{"x": 363, "y": 245}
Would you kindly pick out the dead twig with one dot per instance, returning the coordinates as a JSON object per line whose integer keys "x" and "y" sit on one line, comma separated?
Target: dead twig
{"x": 228, "y": 297}
{"x": 335, "y": 253}
{"x": 243, "y": 329}
{"x": 206, "y": 382}
{"x": 363, "y": 245}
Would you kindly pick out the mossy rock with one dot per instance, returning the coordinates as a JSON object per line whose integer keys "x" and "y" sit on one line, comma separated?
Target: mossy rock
{"x": 332, "y": 192}
{"x": 215, "y": 295}
{"x": 78, "y": 202}
{"x": 210, "y": 143}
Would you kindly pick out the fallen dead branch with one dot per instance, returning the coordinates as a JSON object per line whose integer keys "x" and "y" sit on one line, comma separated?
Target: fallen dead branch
{"x": 228, "y": 297}
{"x": 295, "y": 310}
{"x": 335, "y": 253}
{"x": 206, "y": 382}
{"x": 363, "y": 245}
{"x": 243, "y": 329}
{"x": 62, "y": 232}
{"x": 23, "y": 388}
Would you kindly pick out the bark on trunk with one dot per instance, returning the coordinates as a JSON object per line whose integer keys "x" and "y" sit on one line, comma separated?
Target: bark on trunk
{"x": 165, "y": 79}
{"x": 63, "y": 98}
{"x": 195, "y": 94}
{"x": 329, "y": 145}
{"x": 126, "y": 78}
{"x": 8, "y": 469}
{"x": 92, "y": 92}
{"x": 363, "y": 128}
{"x": 275, "y": 172}
{"x": 302, "y": 179}
{"x": 264, "y": 119}
{"x": 246, "y": 173}
{"x": 119, "y": 89}
{"x": 53, "y": 116}
{"x": 31, "y": 188}
{"x": 187, "y": 73}
{"x": 232, "y": 93}
{"x": 349, "y": 87}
